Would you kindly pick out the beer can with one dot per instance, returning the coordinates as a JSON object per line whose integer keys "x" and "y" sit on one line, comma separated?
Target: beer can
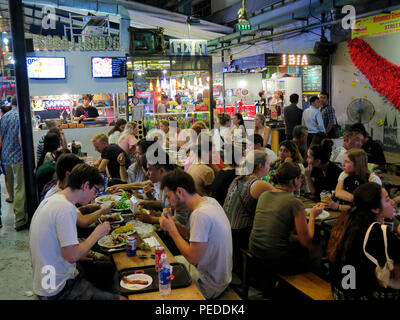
{"x": 158, "y": 252}
{"x": 131, "y": 246}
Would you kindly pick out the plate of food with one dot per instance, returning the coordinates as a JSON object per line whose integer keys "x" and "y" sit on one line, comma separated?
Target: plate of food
{"x": 136, "y": 281}
{"x": 112, "y": 218}
{"x": 324, "y": 214}
{"x": 125, "y": 230}
{"x": 120, "y": 206}
{"x": 107, "y": 198}
{"x": 111, "y": 241}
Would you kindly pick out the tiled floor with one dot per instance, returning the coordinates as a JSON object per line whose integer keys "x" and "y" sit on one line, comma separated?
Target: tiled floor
{"x": 15, "y": 261}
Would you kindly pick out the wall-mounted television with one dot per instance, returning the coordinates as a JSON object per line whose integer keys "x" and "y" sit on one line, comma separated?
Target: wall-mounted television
{"x": 108, "y": 67}
{"x": 46, "y": 67}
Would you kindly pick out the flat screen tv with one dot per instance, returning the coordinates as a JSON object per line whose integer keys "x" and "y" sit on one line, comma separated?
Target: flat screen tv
{"x": 45, "y": 67}
{"x": 108, "y": 67}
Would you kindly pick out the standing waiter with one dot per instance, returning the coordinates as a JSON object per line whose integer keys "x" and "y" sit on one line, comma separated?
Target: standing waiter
{"x": 86, "y": 111}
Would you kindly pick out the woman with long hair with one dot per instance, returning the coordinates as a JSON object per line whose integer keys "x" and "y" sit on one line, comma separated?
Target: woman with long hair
{"x": 288, "y": 152}
{"x": 355, "y": 173}
{"x": 278, "y": 214}
{"x": 115, "y": 132}
{"x": 321, "y": 174}
{"x": 346, "y": 246}
{"x": 238, "y": 130}
{"x": 51, "y": 145}
{"x": 127, "y": 141}
{"x": 263, "y": 130}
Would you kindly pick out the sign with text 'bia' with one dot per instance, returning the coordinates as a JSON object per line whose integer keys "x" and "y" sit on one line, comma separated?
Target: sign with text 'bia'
{"x": 187, "y": 47}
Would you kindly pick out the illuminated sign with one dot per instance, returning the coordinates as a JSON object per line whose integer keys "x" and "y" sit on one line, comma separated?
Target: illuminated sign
{"x": 88, "y": 43}
{"x": 188, "y": 47}
{"x": 244, "y": 26}
{"x": 294, "y": 60}
{"x": 58, "y": 104}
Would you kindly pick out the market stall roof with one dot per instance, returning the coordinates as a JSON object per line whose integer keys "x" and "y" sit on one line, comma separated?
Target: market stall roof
{"x": 142, "y": 16}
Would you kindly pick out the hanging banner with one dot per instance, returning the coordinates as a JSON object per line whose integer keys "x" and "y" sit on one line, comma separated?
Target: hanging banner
{"x": 379, "y": 25}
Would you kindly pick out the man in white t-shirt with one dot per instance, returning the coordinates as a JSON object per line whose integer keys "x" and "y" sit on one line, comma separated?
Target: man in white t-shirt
{"x": 54, "y": 245}
{"x": 210, "y": 242}
{"x": 87, "y": 215}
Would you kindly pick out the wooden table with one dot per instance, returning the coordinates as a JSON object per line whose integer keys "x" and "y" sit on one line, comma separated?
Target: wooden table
{"x": 122, "y": 261}
{"x": 309, "y": 204}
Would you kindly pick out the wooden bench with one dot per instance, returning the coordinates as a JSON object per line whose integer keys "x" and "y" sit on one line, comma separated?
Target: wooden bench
{"x": 310, "y": 285}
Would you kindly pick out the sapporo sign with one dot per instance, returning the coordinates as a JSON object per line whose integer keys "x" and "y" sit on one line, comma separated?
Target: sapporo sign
{"x": 87, "y": 43}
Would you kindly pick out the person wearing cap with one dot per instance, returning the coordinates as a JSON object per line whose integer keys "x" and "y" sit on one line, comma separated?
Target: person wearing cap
{"x": 86, "y": 111}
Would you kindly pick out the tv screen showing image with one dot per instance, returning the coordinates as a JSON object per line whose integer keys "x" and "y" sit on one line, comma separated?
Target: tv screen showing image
{"x": 45, "y": 67}
{"x": 108, "y": 67}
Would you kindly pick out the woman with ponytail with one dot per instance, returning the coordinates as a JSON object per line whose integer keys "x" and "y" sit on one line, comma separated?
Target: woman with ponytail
{"x": 345, "y": 248}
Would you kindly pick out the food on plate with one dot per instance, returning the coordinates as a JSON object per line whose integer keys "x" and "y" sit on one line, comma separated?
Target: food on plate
{"x": 115, "y": 241}
{"x": 155, "y": 213}
{"x": 127, "y": 280}
{"x": 121, "y": 205}
{"x": 109, "y": 199}
{"x": 124, "y": 229}
{"x": 111, "y": 218}
{"x": 140, "y": 209}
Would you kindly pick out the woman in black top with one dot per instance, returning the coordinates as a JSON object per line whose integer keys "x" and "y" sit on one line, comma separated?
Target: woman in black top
{"x": 345, "y": 247}
{"x": 86, "y": 111}
{"x": 222, "y": 181}
{"x": 321, "y": 174}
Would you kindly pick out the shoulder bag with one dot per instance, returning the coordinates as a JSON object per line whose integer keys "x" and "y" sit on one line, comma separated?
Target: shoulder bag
{"x": 383, "y": 274}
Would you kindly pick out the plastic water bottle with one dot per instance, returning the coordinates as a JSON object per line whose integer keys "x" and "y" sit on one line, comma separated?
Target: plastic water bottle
{"x": 164, "y": 276}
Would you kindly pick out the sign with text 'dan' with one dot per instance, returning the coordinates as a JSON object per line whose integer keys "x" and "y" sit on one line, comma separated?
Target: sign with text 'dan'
{"x": 187, "y": 47}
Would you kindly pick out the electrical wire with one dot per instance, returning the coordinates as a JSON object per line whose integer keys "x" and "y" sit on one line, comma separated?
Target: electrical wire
{"x": 310, "y": 14}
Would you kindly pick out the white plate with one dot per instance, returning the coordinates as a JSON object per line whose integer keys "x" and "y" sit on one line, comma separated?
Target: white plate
{"x": 106, "y": 239}
{"x": 137, "y": 276}
{"x": 100, "y": 200}
{"x": 112, "y": 222}
{"x": 324, "y": 214}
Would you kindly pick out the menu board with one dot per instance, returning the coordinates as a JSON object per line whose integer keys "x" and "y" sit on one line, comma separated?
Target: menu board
{"x": 109, "y": 67}
{"x": 45, "y": 67}
{"x": 312, "y": 78}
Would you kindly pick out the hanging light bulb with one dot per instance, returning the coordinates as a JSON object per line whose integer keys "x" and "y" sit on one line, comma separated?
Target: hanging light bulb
{"x": 195, "y": 81}
{"x": 151, "y": 86}
{"x": 200, "y": 83}
{"x": 177, "y": 84}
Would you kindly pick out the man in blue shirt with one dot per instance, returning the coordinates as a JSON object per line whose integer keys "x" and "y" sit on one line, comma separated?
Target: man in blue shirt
{"x": 312, "y": 119}
{"x": 11, "y": 154}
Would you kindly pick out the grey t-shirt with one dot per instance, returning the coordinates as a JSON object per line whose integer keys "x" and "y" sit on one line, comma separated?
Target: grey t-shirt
{"x": 208, "y": 223}
{"x": 273, "y": 224}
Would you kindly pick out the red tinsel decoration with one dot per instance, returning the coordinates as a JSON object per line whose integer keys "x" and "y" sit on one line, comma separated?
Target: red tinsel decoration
{"x": 383, "y": 75}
